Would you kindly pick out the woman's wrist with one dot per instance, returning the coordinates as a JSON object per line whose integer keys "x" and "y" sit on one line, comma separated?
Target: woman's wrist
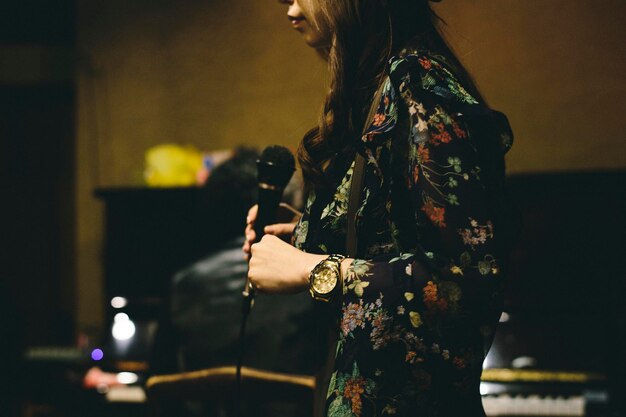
{"x": 345, "y": 265}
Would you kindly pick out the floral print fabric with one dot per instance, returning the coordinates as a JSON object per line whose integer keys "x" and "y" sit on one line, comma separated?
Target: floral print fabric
{"x": 421, "y": 302}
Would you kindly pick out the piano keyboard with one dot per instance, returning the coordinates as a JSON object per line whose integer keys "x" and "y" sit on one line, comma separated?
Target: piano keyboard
{"x": 526, "y": 392}
{"x": 533, "y": 405}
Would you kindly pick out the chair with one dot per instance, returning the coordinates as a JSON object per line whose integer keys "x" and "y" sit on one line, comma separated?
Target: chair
{"x": 262, "y": 392}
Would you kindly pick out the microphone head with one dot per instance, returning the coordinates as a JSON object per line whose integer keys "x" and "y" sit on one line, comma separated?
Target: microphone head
{"x": 278, "y": 155}
{"x": 276, "y": 166}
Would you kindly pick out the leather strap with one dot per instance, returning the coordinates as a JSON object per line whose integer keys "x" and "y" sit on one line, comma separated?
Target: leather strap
{"x": 356, "y": 190}
{"x": 356, "y": 186}
{"x": 353, "y": 203}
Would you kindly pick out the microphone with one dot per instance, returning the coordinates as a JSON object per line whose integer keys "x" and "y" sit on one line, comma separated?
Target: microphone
{"x": 276, "y": 166}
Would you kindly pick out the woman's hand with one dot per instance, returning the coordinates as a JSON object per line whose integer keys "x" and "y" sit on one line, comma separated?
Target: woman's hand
{"x": 287, "y": 219}
{"x": 277, "y": 267}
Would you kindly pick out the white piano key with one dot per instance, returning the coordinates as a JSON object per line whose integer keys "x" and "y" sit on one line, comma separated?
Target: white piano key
{"x": 534, "y": 405}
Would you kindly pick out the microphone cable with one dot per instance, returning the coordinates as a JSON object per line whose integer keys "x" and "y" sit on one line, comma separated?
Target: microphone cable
{"x": 246, "y": 307}
{"x": 276, "y": 166}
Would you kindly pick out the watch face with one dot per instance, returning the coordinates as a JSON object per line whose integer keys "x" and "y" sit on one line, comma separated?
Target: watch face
{"x": 325, "y": 280}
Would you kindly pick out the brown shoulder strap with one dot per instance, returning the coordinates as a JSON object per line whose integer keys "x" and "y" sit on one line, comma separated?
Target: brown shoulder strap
{"x": 353, "y": 204}
{"x": 356, "y": 186}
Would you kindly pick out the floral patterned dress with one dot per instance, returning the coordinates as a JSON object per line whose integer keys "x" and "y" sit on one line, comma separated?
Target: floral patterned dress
{"x": 421, "y": 302}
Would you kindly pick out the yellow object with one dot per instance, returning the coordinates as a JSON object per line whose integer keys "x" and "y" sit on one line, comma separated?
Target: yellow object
{"x": 532, "y": 375}
{"x": 172, "y": 165}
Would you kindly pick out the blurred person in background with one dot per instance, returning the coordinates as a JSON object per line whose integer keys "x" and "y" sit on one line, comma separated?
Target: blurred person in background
{"x": 201, "y": 329}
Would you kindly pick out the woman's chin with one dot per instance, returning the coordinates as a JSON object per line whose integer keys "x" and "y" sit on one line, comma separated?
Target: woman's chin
{"x": 314, "y": 40}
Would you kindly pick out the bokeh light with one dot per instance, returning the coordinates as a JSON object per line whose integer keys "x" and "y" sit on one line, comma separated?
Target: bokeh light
{"x": 123, "y": 327}
{"x": 127, "y": 378}
{"x": 119, "y": 302}
{"x": 97, "y": 354}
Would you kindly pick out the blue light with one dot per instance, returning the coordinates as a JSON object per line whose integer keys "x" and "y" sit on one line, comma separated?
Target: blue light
{"x": 97, "y": 354}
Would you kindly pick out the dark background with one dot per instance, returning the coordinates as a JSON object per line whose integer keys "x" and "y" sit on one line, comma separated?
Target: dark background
{"x": 37, "y": 113}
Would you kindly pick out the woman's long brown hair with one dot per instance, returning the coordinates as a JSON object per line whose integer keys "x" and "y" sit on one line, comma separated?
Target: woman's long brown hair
{"x": 365, "y": 34}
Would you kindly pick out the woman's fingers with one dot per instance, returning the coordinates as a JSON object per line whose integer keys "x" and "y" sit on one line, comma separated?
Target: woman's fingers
{"x": 252, "y": 214}
{"x": 246, "y": 249}
{"x": 250, "y": 233}
{"x": 250, "y": 237}
{"x": 280, "y": 229}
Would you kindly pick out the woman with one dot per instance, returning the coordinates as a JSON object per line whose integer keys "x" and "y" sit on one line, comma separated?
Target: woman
{"x": 420, "y": 302}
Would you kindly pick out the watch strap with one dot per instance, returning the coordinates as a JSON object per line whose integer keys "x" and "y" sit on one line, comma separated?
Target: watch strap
{"x": 335, "y": 258}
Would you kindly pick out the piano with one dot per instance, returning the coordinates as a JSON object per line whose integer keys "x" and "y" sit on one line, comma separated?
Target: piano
{"x": 539, "y": 368}
{"x": 559, "y": 347}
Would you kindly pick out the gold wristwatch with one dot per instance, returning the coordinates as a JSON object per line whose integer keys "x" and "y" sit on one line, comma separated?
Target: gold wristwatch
{"x": 324, "y": 278}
